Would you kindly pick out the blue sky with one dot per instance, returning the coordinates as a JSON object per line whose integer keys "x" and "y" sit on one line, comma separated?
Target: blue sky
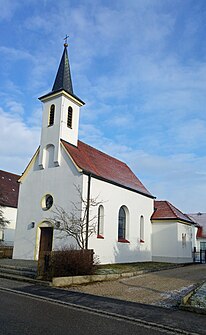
{"x": 140, "y": 66}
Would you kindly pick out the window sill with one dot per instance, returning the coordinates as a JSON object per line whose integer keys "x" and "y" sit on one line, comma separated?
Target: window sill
{"x": 123, "y": 240}
{"x": 141, "y": 241}
{"x": 100, "y": 236}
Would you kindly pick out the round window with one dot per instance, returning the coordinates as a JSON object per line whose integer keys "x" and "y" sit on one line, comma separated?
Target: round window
{"x": 47, "y": 202}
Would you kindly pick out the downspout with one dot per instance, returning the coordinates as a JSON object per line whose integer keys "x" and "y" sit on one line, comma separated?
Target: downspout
{"x": 88, "y": 205}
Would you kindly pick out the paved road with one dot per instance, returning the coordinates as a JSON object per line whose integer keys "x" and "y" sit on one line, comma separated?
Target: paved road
{"x": 25, "y": 315}
{"x": 96, "y": 313}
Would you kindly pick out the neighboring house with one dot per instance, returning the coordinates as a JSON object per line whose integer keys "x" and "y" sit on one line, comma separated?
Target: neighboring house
{"x": 9, "y": 190}
{"x": 172, "y": 234}
{"x": 60, "y": 165}
{"x": 200, "y": 220}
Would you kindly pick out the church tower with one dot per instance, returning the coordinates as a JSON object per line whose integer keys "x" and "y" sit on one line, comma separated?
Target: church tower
{"x": 61, "y": 108}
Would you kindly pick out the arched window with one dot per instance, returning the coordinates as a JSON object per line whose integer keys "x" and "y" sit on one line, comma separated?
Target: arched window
{"x": 122, "y": 224}
{"x": 69, "y": 117}
{"x": 100, "y": 227}
{"x": 51, "y": 115}
{"x": 142, "y": 229}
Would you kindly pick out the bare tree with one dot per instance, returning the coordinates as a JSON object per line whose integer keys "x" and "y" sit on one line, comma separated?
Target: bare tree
{"x": 77, "y": 223}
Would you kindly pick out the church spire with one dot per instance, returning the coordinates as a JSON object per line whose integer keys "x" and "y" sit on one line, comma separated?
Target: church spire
{"x": 63, "y": 80}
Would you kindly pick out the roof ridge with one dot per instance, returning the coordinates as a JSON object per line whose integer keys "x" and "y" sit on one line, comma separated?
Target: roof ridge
{"x": 104, "y": 166}
{"x": 103, "y": 153}
{"x": 171, "y": 207}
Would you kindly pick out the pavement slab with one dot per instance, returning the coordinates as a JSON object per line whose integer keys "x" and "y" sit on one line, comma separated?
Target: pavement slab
{"x": 162, "y": 288}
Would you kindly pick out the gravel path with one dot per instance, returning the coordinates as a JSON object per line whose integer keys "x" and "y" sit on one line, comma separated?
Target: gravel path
{"x": 161, "y": 288}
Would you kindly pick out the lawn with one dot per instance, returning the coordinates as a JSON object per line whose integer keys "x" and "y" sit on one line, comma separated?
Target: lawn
{"x": 132, "y": 267}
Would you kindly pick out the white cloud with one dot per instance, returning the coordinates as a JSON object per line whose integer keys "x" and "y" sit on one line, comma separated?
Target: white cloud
{"x": 18, "y": 142}
{"x": 15, "y": 107}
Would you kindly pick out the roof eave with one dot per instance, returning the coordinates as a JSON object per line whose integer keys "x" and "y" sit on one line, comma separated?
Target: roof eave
{"x": 118, "y": 184}
{"x": 55, "y": 93}
{"x": 172, "y": 219}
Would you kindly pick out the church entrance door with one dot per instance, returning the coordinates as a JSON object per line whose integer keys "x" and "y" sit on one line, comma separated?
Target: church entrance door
{"x": 46, "y": 239}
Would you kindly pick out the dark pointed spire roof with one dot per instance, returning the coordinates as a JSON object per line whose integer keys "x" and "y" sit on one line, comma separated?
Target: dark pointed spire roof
{"x": 63, "y": 79}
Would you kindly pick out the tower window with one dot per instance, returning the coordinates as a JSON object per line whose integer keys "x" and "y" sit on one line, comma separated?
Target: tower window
{"x": 69, "y": 117}
{"x": 51, "y": 115}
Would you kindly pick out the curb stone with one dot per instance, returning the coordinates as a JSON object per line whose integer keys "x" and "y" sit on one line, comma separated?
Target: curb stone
{"x": 185, "y": 302}
{"x": 78, "y": 280}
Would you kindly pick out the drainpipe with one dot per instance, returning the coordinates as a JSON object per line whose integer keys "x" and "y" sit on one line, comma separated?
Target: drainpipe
{"x": 88, "y": 203}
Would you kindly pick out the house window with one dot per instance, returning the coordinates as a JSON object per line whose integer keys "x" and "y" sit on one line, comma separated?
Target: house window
{"x": 184, "y": 240}
{"x": 122, "y": 225}
{"x": 47, "y": 202}
{"x": 51, "y": 115}
{"x": 69, "y": 117}
{"x": 100, "y": 227}
{"x": 142, "y": 229}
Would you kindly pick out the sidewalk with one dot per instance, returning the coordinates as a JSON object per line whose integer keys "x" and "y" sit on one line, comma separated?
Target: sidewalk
{"x": 162, "y": 288}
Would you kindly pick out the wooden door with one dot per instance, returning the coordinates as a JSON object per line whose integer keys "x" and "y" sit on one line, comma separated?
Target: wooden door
{"x": 46, "y": 239}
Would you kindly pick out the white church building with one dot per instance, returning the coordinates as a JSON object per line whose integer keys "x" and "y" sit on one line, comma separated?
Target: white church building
{"x": 62, "y": 164}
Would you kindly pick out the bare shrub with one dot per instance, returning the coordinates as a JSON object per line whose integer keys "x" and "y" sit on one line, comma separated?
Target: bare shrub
{"x": 72, "y": 262}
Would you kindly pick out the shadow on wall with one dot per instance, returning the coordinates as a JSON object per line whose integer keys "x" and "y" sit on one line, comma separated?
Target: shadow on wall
{"x": 124, "y": 254}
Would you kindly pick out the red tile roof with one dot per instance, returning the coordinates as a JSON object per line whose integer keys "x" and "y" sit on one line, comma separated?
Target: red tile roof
{"x": 200, "y": 219}
{"x": 105, "y": 167}
{"x": 9, "y": 189}
{"x": 164, "y": 210}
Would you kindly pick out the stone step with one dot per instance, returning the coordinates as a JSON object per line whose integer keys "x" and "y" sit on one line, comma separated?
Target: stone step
{"x": 25, "y": 272}
{"x": 24, "y": 279}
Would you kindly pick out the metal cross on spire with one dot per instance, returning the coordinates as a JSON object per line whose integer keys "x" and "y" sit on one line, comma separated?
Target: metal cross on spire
{"x": 65, "y": 39}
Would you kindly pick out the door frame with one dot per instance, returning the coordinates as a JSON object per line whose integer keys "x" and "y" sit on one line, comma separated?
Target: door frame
{"x": 42, "y": 224}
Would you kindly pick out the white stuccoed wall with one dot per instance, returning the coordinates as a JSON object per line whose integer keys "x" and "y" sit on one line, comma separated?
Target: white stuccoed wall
{"x": 167, "y": 242}
{"x": 10, "y": 214}
{"x": 109, "y": 250}
{"x": 57, "y": 181}
{"x": 59, "y": 130}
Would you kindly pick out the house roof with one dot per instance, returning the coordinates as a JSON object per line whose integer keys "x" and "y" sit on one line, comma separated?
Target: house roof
{"x": 9, "y": 189}
{"x": 164, "y": 210}
{"x": 105, "y": 167}
{"x": 200, "y": 219}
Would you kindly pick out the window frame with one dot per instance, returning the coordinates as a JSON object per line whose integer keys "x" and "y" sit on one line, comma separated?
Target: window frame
{"x": 122, "y": 224}
{"x": 100, "y": 222}
{"x": 51, "y": 115}
{"x": 142, "y": 229}
{"x": 69, "y": 117}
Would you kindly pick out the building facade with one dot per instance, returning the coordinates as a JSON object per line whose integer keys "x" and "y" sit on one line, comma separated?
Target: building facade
{"x": 63, "y": 171}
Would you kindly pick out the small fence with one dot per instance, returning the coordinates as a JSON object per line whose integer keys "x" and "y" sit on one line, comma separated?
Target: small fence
{"x": 199, "y": 256}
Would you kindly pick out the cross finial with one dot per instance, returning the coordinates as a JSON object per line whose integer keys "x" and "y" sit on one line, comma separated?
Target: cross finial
{"x": 65, "y": 43}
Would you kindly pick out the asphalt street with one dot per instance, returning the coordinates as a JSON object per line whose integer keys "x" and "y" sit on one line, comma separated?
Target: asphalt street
{"x": 20, "y": 314}
{"x": 36, "y": 309}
